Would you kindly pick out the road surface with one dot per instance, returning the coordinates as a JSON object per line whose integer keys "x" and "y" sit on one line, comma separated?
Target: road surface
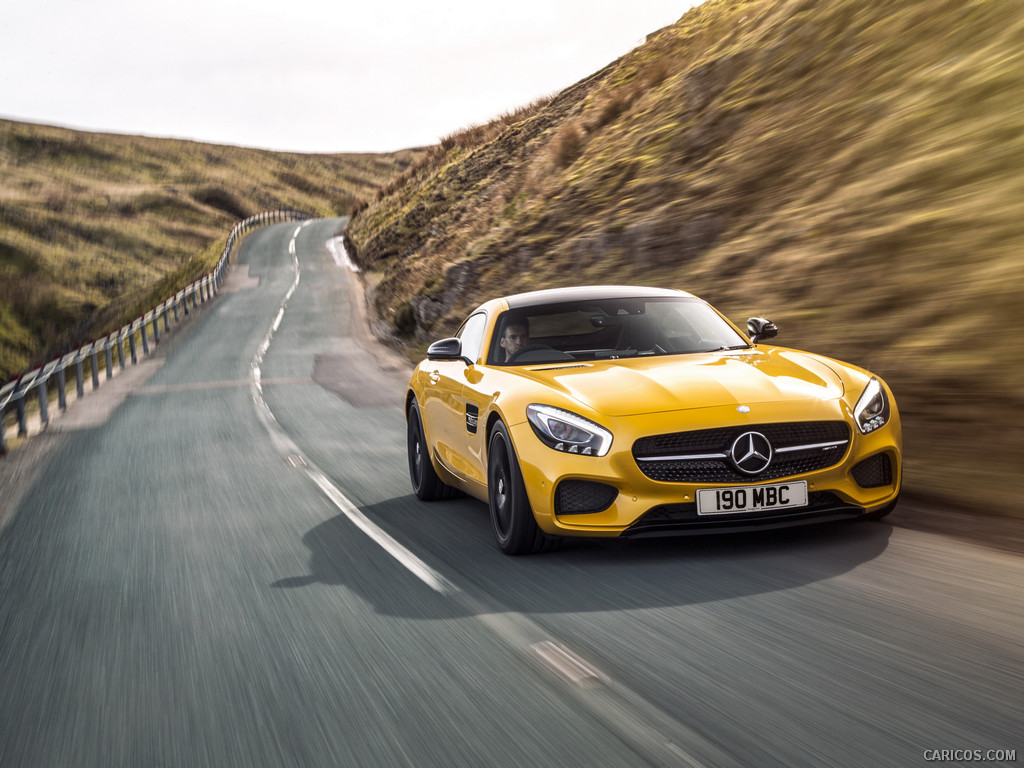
{"x": 224, "y": 565}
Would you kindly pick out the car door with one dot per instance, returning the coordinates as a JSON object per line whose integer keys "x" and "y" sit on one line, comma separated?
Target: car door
{"x": 465, "y": 423}
{"x": 452, "y": 421}
{"x": 442, "y": 408}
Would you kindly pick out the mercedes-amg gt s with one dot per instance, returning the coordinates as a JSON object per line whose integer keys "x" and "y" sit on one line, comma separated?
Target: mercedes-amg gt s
{"x": 621, "y": 411}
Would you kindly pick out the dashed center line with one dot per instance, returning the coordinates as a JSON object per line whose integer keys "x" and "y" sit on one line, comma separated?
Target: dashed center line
{"x": 654, "y": 735}
{"x": 287, "y": 447}
{"x": 567, "y": 664}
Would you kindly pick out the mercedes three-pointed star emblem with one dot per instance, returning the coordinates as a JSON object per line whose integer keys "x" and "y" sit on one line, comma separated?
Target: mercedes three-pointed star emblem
{"x": 751, "y": 453}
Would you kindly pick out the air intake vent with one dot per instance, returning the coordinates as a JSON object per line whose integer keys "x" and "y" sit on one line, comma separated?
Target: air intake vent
{"x": 583, "y": 497}
{"x": 874, "y": 472}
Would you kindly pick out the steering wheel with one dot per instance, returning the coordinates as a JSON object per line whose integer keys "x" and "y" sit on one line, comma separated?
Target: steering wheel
{"x": 527, "y": 349}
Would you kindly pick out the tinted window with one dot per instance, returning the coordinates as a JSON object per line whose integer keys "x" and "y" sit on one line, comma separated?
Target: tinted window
{"x": 617, "y": 328}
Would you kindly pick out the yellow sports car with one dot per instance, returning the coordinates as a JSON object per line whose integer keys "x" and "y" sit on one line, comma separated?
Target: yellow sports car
{"x": 620, "y": 411}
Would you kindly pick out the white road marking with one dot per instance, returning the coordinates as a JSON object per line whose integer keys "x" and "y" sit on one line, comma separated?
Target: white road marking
{"x": 652, "y": 733}
{"x": 291, "y": 451}
{"x": 567, "y": 664}
{"x": 413, "y": 564}
{"x": 336, "y": 247}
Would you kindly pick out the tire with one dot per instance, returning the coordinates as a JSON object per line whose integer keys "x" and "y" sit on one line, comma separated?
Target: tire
{"x": 425, "y": 482}
{"x": 515, "y": 529}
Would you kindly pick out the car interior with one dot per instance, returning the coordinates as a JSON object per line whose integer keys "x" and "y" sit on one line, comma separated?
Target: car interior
{"x": 614, "y": 330}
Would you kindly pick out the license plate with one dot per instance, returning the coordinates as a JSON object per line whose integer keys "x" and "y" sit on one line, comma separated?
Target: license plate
{"x": 751, "y": 498}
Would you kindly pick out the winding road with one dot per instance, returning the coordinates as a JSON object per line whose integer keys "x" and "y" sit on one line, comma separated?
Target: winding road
{"x": 222, "y": 564}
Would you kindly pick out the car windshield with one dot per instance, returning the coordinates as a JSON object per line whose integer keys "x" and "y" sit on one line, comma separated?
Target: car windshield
{"x": 609, "y": 330}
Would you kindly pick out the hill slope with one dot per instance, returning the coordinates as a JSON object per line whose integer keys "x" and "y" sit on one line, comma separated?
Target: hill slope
{"x": 89, "y": 222}
{"x": 852, "y": 170}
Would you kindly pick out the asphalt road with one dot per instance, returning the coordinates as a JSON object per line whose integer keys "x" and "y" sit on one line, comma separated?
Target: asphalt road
{"x": 224, "y": 566}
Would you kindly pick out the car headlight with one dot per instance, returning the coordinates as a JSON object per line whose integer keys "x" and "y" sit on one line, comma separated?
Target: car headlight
{"x": 568, "y": 432}
{"x": 872, "y": 409}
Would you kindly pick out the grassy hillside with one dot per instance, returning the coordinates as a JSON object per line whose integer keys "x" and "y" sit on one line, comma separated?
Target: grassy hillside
{"x": 853, "y": 170}
{"x": 89, "y": 222}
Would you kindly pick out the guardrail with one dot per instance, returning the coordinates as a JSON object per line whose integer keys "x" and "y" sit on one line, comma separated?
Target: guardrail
{"x": 124, "y": 343}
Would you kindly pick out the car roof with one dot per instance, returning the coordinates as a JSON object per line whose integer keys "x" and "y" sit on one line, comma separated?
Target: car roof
{"x": 590, "y": 293}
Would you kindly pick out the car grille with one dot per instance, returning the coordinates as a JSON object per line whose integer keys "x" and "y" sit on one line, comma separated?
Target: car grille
{"x": 702, "y": 456}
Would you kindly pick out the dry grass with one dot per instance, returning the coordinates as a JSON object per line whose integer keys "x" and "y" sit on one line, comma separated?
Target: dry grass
{"x": 853, "y": 170}
{"x": 91, "y": 223}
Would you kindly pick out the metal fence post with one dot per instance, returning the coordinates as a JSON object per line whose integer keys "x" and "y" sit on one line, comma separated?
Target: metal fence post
{"x": 175, "y": 306}
{"x": 79, "y": 384}
{"x": 167, "y": 323}
{"x": 120, "y": 348}
{"x": 108, "y": 359}
{"x": 19, "y": 406}
{"x": 95, "y": 368}
{"x": 44, "y": 414}
{"x": 145, "y": 339}
{"x": 195, "y": 301}
{"x": 156, "y": 329}
{"x": 131, "y": 344}
{"x": 62, "y": 395}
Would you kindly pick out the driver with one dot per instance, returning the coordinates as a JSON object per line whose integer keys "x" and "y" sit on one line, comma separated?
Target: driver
{"x": 515, "y": 337}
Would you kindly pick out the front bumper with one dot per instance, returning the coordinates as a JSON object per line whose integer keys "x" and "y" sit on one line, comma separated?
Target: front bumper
{"x": 633, "y": 504}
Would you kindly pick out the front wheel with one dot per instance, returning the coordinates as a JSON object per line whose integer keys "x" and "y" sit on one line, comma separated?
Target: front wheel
{"x": 515, "y": 529}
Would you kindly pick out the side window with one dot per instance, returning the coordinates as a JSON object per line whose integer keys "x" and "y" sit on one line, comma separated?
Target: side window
{"x": 472, "y": 336}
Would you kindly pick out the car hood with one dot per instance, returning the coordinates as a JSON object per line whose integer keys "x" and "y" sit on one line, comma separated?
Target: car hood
{"x": 678, "y": 382}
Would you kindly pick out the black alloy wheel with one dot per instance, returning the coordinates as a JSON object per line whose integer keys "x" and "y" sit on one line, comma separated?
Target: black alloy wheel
{"x": 515, "y": 528}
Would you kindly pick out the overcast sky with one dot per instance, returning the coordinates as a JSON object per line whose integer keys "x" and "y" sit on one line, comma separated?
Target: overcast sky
{"x": 305, "y": 75}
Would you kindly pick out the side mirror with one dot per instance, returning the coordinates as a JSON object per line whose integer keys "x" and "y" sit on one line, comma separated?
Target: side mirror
{"x": 445, "y": 349}
{"x": 758, "y": 328}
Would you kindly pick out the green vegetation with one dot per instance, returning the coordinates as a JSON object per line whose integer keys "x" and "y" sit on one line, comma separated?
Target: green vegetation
{"x": 97, "y": 228}
{"x": 853, "y": 170}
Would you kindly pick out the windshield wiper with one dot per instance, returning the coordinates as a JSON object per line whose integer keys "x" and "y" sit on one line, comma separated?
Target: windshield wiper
{"x": 729, "y": 349}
